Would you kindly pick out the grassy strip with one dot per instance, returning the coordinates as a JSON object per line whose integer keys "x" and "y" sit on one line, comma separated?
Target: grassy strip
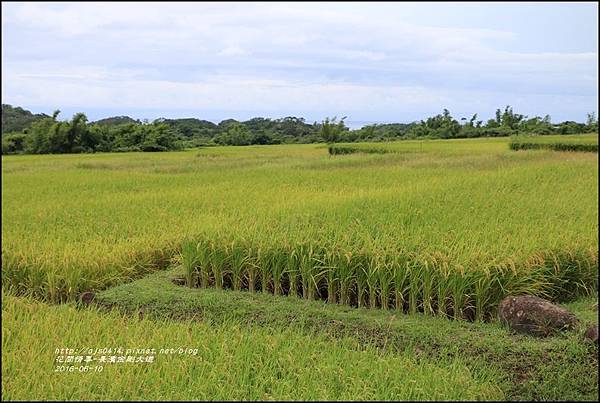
{"x": 550, "y": 369}
{"x": 554, "y": 146}
{"x": 233, "y": 362}
{"x": 346, "y": 149}
{"x": 577, "y": 143}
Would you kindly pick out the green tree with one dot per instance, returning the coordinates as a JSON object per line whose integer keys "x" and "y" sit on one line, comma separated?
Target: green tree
{"x": 236, "y": 135}
{"x": 13, "y": 143}
{"x": 58, "y": 138}
{"x": 510, "y": 119}
{"x": 38, "y": 141}
{"x": 331, "y": 130}
{"x": 440, "y": 126}
{"x": 591, "y": 122}
{"x": 158, "y": 137}
{"x": 78, "y": 136}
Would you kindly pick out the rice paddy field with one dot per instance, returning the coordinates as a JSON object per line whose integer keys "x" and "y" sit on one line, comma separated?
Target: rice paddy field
{"x": 435, "y": 232}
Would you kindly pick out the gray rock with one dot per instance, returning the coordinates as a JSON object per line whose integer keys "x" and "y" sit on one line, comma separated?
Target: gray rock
{"x": 179, "y": 281}
{"x": 535, "y": 316}
{"x": 87, "y": 297}
{"x": 591, "y": 333}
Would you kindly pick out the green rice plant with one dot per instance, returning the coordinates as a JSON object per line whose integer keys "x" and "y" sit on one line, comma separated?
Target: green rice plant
{"x": 311, "y": 270}
{"x": 239, "y": 259}
{"x": 305, "y": 264}
{"x": 416, "y": 286}
{"x": 219, "y": 263}
{"x": 277, "y": 267}
{"x": 252, "y": 267}
{"x": 443, "y": 290}
{"x": 459, "y": 290}
{"x": 530, "y": 278}
{"x": 346, "y": 275}
{"x": 484, "y": 296}
{"x": 361, "y": 264}
{"x": 572, "y": 274}
{"x": 371, "y": 271}
{"x": 189, "y": 259}
{"x": 428, "y": 274}
{"x": 52, "y": 285}
{"x": 203, "y": 250}
{"x": 263, "y": 259}
{"x": 293, "y": 272}
{"x": 401, "y": 275}
{"x": 385, "y": 280}
{"x": 326, "y": 264}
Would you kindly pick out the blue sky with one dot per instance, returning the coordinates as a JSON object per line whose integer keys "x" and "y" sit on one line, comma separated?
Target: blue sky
{"x": 369, "y": 61}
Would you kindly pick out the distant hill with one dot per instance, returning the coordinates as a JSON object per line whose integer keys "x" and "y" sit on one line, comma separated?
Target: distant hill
{"x": 115, "y": 120}
{"x": 16, "y": 119}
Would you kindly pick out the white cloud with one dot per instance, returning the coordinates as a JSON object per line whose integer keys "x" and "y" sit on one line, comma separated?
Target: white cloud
{"x": 265, "y": 56}
{"x": 233, "y": 51}
{"x": 82, "y": 89}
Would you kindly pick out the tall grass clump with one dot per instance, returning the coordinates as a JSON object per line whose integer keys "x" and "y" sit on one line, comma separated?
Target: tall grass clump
{"x": 431, "y": 284}
{"x": 189, "y": 260}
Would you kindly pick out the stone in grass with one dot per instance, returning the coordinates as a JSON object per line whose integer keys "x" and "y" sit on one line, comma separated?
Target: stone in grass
{"x": 591, "y": 334}
{"x": 179, "y": 281}
{"x": 87, "y": 297}
{"x": 535, "y": 316}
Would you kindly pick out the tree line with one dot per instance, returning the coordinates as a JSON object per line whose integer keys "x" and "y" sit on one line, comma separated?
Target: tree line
{"x": 26, "y": 133}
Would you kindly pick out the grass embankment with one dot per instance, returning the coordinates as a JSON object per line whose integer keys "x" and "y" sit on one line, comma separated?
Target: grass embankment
{"x": 446, "y": 227}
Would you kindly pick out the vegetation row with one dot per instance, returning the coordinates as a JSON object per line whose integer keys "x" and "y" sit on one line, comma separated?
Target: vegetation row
{"x": 517, "y": 145}
{"x": 26, "y": 133}
{"x": 556, "y": 143}
{"x": 406, "y": 282}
